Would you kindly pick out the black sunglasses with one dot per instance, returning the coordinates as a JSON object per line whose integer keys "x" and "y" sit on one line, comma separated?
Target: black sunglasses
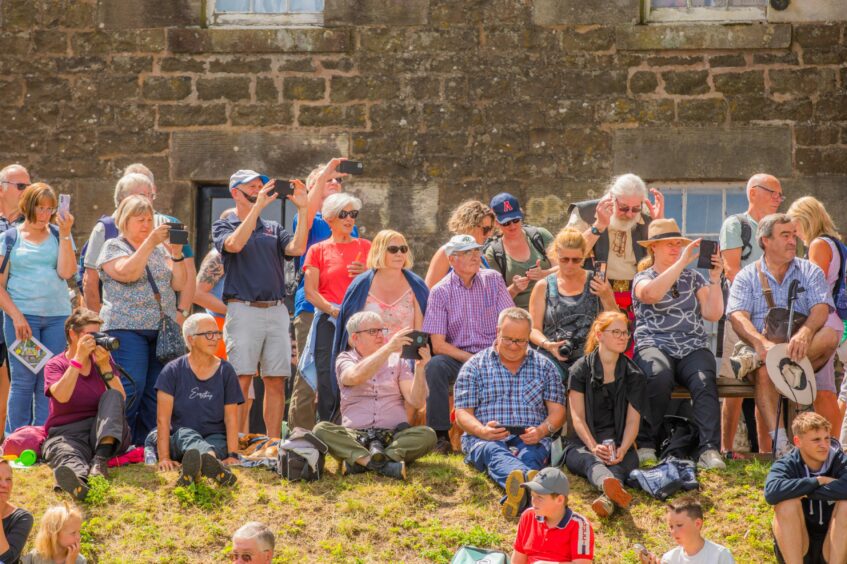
{"x": 675, "y": 291}
{"x": 510, "y": 222}
{"x": 19, "y": 185}
{"x": 394, "y": 249}
{"x": 343, "y": 214}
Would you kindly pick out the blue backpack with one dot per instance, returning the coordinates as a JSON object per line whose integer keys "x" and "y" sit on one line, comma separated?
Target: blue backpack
{"x": 839, "y": 292}
{"x": 10, "y": 237}
{"x": 111, "y": 232}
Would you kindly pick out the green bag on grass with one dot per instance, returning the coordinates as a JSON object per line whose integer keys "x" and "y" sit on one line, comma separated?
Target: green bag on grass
{"x": 474, "y": 555}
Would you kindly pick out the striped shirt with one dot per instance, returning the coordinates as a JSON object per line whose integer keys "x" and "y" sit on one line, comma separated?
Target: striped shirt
{"x": 746, "y": 291}
{"x": 467, "y": 317}
{"x": 495, "y": 394}
{"x": 571, "y": 539}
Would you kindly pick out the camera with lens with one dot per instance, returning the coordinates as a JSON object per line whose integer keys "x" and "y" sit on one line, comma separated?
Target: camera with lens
{"x": 106, "y": 341}
{"x": 568, "y": 345}
{"x": 375, "y": 440}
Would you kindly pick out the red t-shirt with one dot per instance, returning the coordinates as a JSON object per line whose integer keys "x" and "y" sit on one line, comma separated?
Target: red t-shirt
{"x": 84, "y": 399}
{"x": 331, "y": 259}
{"x": 572, "y": 538}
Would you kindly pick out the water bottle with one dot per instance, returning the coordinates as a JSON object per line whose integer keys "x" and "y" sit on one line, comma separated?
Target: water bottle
{"x": 150, "y": 455}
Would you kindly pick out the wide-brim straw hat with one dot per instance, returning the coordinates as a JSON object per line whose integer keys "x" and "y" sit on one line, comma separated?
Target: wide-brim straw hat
{"x": 663, "y": 230}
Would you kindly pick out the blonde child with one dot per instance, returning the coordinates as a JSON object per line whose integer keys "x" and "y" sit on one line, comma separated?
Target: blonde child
{"x": 58, "y": 538}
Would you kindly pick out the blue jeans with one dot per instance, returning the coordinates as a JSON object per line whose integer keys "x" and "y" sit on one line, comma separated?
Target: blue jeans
{"x": 137, "y": 355}
{"x": 184, "y": 439}
{"x": 496, "y": 457}
{"x": 27, "y": 403}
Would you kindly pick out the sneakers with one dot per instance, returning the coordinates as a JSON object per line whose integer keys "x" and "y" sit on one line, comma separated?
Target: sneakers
{"x": 511, "y": 506}
{"x": 743, "y": 360}
{"x": 443, "y": 446}
{"x": 784, "y": 450}
{"x": 189, "y": 472}
{"x": 603, "y": 507}
{"x": 350, "y": 469}
{"x": 711, "y": 459}
{"x": 215, "y": 470}
{"x": 70, "y": 482}
{"x": 388, "y": 468}
{"x": 647, "y": 456}
{"x": 531, "y": 474}
{"x": 613, "y": 490}
{"x": 99, "y": 467}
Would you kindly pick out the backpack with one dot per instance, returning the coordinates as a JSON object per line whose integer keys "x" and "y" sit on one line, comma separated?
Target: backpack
{"x": 496, "y": 246}
{"x": 746, "y": 236}
{"x": 474, "y": 555}
{"x": 292, "y": 461}
{"x": 10, "y": 237}
{"x": 111, "y": 232}
{"x": 839, "y": 292}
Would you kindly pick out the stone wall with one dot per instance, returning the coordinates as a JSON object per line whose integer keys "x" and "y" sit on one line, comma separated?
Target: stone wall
{"x": 442, "y": 99}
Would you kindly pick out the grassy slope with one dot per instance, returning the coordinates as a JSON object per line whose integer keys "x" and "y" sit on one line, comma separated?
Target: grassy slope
{"x": 141, "y": 518}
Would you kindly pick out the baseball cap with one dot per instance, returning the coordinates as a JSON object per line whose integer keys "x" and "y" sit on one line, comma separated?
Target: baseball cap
{"x": 244, "y": 176}
{"x": 549, "y": 481}
{"x": 506, "y": 207}
{"x": 459, "y": 243}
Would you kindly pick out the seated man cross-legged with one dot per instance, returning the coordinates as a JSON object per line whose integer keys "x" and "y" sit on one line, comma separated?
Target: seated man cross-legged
{"x": 376, "y": 386}
{"x": 509, "y": 400}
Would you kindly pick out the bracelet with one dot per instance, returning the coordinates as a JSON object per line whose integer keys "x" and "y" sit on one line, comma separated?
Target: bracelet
{"x": 75, "y": 364}
{"x": 180, "y": 259}
{"x": 233, "y": 455}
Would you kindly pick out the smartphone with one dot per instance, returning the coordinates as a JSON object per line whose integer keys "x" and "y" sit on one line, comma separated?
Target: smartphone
{"x": 419, "y": 339}
{"x": 600, "y": 270}
{"x": 177, "y": 234}
{"x": 514, "y": 430}
{"x": 351, "y": 167}
{"x": 283, "y": 188}
{"x": 641, "y": 549}
{"x": 707, "y": 249}
{"x": 64, "y": 204}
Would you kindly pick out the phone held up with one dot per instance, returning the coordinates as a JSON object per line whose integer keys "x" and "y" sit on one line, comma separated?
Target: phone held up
{"x": 419, "y": 339}
{"x": 707, "y": 249}
{"x": 351, "y": 167}
{"x": 64, "y": 205}
{"x": 600, "y": 270}
{"x": 283, "y": 188}
{"x": 177, "y": 235}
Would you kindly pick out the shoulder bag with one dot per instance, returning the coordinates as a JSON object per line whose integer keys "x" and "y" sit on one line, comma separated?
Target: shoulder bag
{"x": 776, "y": 320}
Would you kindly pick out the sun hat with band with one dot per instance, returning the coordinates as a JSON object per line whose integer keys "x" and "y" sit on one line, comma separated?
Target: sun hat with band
{"x": 663, "y": 230}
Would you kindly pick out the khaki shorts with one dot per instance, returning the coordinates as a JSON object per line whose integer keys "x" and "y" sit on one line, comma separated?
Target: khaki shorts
{"x": 257, "y": 336}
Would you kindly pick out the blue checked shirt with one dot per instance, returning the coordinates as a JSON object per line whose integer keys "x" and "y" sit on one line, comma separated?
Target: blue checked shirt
{"x": 746, "y": 294}
{"x": 495, "y": 394}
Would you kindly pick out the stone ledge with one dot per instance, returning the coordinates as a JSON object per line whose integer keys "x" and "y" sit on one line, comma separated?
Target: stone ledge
{"x": 376, "y": 12}
{"x": 702, "y": 36}
{"x": 116, "y": 14}
{"x": 581, "y": 12}
{"x": 291, "y": 40}
{"x": 708, "y": 153}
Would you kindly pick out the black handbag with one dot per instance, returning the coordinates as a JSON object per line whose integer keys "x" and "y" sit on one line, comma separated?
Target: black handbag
{"x": 776, "y": 320}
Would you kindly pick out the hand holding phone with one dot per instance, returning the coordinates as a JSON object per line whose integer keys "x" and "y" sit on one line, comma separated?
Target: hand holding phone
{"x": 64, "y": 205}
{"x": 600, "y": 270}
{"x": 283, "y": 188}
{"x": 177, "y": 235}
{"x": 707, "y": 249}
{"x": 351, "y": 167}
{"x": 419, "y": 339}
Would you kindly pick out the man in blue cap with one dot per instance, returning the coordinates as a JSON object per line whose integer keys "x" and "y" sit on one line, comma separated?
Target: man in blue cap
{"x": 253, "y": 251}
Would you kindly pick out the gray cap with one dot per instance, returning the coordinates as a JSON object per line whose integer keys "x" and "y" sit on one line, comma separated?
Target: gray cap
{"x": 458, "y": 243}
{"x": 244, "y": 176}
{"x": 549, "y": 481}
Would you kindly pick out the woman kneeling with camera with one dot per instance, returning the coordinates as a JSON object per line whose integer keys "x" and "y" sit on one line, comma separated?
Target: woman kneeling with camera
{"x": 86, "y": 425}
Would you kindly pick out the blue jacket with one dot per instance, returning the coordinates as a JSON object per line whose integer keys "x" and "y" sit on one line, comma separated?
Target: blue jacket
{"x": 354, "y": 302}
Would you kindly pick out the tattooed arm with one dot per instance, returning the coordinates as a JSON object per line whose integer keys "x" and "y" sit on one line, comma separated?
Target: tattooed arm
{"x": 211, "y": 271}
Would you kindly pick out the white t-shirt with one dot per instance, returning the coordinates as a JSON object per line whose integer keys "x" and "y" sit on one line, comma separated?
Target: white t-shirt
{"x": 711, "y": 553}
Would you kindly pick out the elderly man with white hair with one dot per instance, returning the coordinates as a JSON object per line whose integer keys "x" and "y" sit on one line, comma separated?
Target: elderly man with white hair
{"x": 613, "y": 224}
{"x": 376, "y": 386}
{"x": 197, "y": 399}
{"x": 254, "y": 543}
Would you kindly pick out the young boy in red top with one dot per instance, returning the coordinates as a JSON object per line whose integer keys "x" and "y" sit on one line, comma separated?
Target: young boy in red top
{"x": 549, "y": 531}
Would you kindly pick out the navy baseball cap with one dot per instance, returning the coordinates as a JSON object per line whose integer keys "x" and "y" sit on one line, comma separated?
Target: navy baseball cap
{"x": 244, "y": 176}
{"x": 506, "y": 207}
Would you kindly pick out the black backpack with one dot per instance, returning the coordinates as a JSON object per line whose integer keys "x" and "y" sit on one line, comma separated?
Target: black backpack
{"x": 293, "y": 466}
{"x": 496, "y": 246}
{"x": 111, "y": 232}
{"x": 746, "y": 236}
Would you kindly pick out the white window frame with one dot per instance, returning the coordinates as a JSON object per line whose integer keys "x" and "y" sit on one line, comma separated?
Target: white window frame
{"x": 251, "y": 19}
{"x": 703, "y": 14}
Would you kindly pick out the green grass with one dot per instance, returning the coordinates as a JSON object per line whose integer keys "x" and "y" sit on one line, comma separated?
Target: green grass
{"x": 139, "y": 516}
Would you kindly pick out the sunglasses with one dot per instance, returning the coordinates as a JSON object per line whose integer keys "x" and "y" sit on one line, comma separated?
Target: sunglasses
{"x": 394, "y": 249}
{"x": 627, "y": 209}
{"x": 674, "y": 291}
{"x": 375, "y": 332}
{"x": 510, "y": 222}
{"x": 19, "y": 185}
{"x": 243, "y": 556}
{"x": 566, "y": 260}
{"x": 344, "y": 214}
{"x": 210, "y": 335}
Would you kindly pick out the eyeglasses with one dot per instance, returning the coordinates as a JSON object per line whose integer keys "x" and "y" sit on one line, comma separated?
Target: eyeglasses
{"x": 42, "y": 209}
{"x": 510, "y": 222}
{"x": 516, "y": 342}
{"x": 486, "y": 229}
{"x": 152, "y": 195}
{"x": 344, "y": 214}
{"x": 19, "y": 185}
{"x": 627, "y": 209}
{"x": 774, "y": 194}
{"x": 375, "y": 332}
{"x": 243, "y": 556}
{"x": 675, "y": 291}
{"x": 210, "y": 335}
{"x": 566, "y": 260}
{"x": 618, "y": 334}
{"x": 394, "y": 249}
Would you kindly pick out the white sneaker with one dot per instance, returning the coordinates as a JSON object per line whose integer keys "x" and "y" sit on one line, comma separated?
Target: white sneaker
{"x": 784, "y": 450}
{"x": 711, "y": 459}
{"x": 743, "y": 360}
{"x": 647, "y": 456}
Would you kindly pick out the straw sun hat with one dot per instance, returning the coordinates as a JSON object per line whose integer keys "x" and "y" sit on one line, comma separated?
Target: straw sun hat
{"x": 663, "y": 230}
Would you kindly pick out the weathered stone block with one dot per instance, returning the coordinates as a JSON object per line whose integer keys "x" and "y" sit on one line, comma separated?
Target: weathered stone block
{"x": 43, "y": 90}
{"x": 628, "y": 110}
{"x": 15, "y": 44}
{"x": 341, "y": 64}
{"x": 832, "y": 108}
{"x": 283, "y": 40}
{"x": 575, "y": 12}
{"x": 246, "y": 65}
{"x": 296, "y": 64}
{"x": 784, "y": 58}
{"x": 686, "y": 82}
{"x": 332, "y": 116}
{"x": 228, "y": 88}
{"x": 801, "y": 81}
{"x": 375, "y": 12}
{"x": 734, "y": 60}
{"x": 129, "y": 64}
{"x": 80, "y": 64}
{"x": 717, "y": 152}
{"x": 166, "y": 88}
{"x": 643, "y": 82}
{"x": 812, "y": 135}
{"x": 124, "y": 143}
{"x": 50, "y": 41}
{"x": 817, "y": 35}
{"x": 259, "y": 115}
{"x": 591, "y": 39}
{"x": 710, "y": 110}
{"x": 817, "y": 11}
{"x": 215, "y": 155}
{"x": 834, "y": 55}
{"x": 148, "y": 13}
{"x": 750, "y": 82}
{"x": 348, "y": 88}
{"x": 674, "y": 61}
{"x": 181, "y": 64}
{"x": 183, "y": 115}
{"x": 757, "y": 108}
{"x": 303, "y": 88}
{"x": 703, "y": 36}
{"x": 18, "y": 15}
{"x": 266, "y": 90}
{"x": 826, "y": 160}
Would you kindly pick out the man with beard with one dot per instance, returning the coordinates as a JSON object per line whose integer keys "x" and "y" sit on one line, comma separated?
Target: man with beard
{"x": 613, "y": 224}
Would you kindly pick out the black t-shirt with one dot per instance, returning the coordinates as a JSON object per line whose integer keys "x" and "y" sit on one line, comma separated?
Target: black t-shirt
{"x": 604, "y": 411}
{"x": 16, "y": 527}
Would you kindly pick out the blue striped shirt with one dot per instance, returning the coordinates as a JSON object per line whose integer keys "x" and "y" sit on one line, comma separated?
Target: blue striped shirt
{"x": 746, "y": 291}
{"x": 495, "y": 394}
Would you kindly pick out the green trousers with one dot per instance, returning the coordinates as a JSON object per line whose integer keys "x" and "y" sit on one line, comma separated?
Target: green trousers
{"x": 406, "y": 446}
{"x": 301, "y": 408}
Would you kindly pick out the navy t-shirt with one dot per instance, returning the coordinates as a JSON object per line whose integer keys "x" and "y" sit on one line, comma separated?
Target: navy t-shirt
{"x": 199, "y": 404}
{"x": 257, "y": 272}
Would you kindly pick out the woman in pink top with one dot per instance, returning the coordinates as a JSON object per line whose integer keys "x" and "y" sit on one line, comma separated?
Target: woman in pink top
{"x": 817, "y": 230}
{"x": 329, "y": 268}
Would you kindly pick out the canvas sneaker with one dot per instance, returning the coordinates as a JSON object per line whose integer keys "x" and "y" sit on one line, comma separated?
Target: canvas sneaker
{"x": 603, "y": 507}
{"x": 513, "y": 503}
{"x": 710, "y": 460}
{"x": 743, "y": 360}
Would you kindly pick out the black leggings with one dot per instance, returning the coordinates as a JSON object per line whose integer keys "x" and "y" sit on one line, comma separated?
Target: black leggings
{"x": 582, "y": 462}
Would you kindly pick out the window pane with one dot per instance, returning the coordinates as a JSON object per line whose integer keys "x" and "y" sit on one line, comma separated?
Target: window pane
{"x": 673, "y": 206}
{"x": 232, "y": 5}
{"x": 307, "y": 6}
{"x": 736, "y": 202}
{"x": 703, "y": 212}
{"x": 270, "y": 6}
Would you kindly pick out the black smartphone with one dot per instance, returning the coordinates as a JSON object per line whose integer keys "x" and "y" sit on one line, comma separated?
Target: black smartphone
{"x": 707, "y": 249}
{"x": 419, "y": 339}
{"x": 283, "y": 188}
{"x": 351, "y": 167}
{"x": 600, "y": 269}
{"x": 514, "y": 430}
{"x": 177, "y": 234}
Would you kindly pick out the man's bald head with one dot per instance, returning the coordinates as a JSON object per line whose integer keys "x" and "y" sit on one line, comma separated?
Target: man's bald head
{"x": 764, "y": 194}
{"x": 762, "y": 179}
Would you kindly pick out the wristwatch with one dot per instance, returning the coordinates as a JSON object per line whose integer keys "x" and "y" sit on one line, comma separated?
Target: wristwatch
{"x": 595, "y": 231}
{"x": 107, "y": 376}
{"x": 232, "y": 455}
{"x": 180, "y": 259}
